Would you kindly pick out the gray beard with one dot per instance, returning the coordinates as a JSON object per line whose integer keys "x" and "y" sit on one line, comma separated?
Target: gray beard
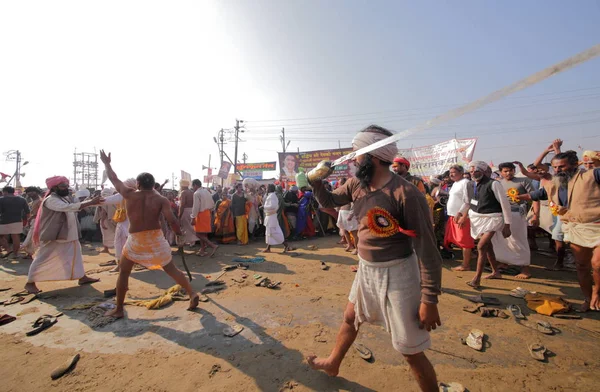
{"x": 562, "y": 179}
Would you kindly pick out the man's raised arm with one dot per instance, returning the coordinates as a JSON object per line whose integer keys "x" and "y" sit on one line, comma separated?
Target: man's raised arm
{"x": 112, "y": 176}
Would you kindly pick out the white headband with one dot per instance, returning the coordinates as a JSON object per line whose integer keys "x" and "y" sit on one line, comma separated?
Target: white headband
{"x": 386, "y": 153}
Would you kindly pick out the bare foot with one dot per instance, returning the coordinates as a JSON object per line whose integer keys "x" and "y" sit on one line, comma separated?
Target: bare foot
{"x": 201, "y": 253}
{"x": 322, "y": 364}
{"x": 354, "y": 252}
{"x": 105, "y": 250}
{"x": 87, "y": 280}
{"x": 494, "y": 275}
{"x": 349, "y": 248}
{"x": 194, "y": 301}
{"x": 32, "y": 288}
{"x": 523, "y": 276}
{"x": 213, "y": 251}
{"x": 473, "y": 283}
{"x": 595, "y": 303}
{"x": 461, "y": 268}
{"x": 269, "y": 251}
{"x": 116, "y": 269}
{"x": 116, "y": 313}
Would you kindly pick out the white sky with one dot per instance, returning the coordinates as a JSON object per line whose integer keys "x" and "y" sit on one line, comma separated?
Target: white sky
{"x": 153, "y": 81}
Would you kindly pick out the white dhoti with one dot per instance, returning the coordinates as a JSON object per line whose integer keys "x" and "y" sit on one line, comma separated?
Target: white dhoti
{"x": 187, "y": 228}
{"x": 582, "y": 234}
{"x": 389, "y": 294}
{"x": 121, "y": 234}
{"x": 108, "y": 234}
{"x": 28, "y": 245}
{"x": 513, "y": 250}
{"x": 345, "y": 223}
{"x": 485, "y": 223}
{"x": 57, "y": 260}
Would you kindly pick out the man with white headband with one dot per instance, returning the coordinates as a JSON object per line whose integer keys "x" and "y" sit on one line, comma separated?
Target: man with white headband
{"x": 393, "y": 287}
{"x": 488, "y": 209}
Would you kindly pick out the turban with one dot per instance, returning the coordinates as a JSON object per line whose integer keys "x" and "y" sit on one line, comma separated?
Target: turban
{"x": 130, "y": 183}
{"x": 55, "y": 181}
{"x": 402, "y": 161}
{"x": 184, "y": 182}
{"x": 82, "y": 193}
{"x": 591, "y": 156}
{"x": 385, "y": 153}
{"x": 479, "y": 165}
{"x": 250, "y": 183}
{"x": 106, "y": 192}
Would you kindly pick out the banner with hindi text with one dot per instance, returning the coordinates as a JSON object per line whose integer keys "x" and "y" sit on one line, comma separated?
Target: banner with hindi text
{"x": 291, "y": 163}
{"x": 433, "y": 160}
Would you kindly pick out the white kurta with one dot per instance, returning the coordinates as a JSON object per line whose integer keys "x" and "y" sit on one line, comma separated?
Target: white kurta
{"x": 202, "y": 201}
{"x": 60, "y": 259}
{"x": 273, "y": 233}
{"x": 122, "y": 230}
{"x": 513, "y": 250}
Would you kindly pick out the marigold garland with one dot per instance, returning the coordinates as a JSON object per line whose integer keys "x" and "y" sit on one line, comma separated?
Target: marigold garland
{"x": 554, "y": 208}
{"x": 513, "y": 195}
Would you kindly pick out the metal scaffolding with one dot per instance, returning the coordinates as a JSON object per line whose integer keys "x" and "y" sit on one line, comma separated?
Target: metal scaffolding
{"x": 85, "y": 170}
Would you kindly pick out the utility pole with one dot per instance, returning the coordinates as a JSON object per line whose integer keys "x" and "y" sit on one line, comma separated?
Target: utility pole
{"x": 339, "y": 145}
{"x": 237, "y": 138}
{"x": 16, "y": 155}
{"x": 244, "y": 158}
{"x": 284, "y": 145}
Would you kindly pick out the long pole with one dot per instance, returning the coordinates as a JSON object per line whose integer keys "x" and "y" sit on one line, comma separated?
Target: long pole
{"x": 237, "y": 131}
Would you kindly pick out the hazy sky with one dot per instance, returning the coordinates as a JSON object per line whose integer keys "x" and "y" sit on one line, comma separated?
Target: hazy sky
{"x": 153, "y": 82}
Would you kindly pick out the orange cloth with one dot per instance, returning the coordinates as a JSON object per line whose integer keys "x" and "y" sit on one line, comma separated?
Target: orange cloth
{"x": 203, "y": 222}
{"x": 224, "y": 227}
{"x": 148, "y": 248}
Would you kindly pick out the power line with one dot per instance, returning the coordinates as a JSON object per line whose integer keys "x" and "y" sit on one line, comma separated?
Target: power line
{"x": 414, "y": 109}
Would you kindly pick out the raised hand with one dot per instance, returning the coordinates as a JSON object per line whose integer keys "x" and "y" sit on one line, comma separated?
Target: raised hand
{"x": 105, "y": 158}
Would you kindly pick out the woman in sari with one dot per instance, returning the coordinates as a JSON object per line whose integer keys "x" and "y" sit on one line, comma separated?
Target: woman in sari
{"x": 224, "y": 228}
{"x": 304, "y": 225}
{"x": 283, "y": 222}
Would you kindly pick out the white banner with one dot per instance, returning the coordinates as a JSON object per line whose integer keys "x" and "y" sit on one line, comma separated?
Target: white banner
{"x": 434, "y": 160}
{"x": 186, "y": 176}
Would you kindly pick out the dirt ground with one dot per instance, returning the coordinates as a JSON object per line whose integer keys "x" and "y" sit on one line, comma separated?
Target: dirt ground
{"x": 171, "y": 349}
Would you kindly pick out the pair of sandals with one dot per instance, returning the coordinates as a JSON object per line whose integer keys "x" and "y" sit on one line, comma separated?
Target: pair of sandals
{"x": 43, "y": 323}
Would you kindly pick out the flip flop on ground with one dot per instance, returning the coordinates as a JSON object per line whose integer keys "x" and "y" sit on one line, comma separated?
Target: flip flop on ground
{"x": 516, "y": 312}
{"x": 363, "y": 351}
{"x": 538, "y": 351}
{"x": 545, "y": 327}
{"x": 475, "y": 339}
{"x": 484, "y": 300}
{"x": 232, "y": 330}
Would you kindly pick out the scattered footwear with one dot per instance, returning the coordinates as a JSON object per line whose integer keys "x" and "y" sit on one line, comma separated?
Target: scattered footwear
{"x": 537, "y": 351}
{"x": 516, "y": 312}
{"x": 485, "y": 300}
{"x": 232, "y": 330}
{"x": 28, "y": 298}
{"x": 324, "y": 266}
{"x": 108, "y": 263}
{"x": 215, "y": 283}
{"x": 475, "y": 339}
{"x": 473, "y": 308}
{"x": 41, "y": 324}
{"x": 312, "y": 247}
{"x": 13, "y": 300}
{"x": 230, "y": 268}
{"x": 487, "y": 312}
{"x": 6, "y": 319}
{"x": 65, "y": 367}
{"x": 545, "y": 327}
{"x": 451, "y": 387}
{"x": 110, "y": 293}
{"x": 210, "y": 290}
{"x": 363, "y": 351}
{"x": 520, "y": 292}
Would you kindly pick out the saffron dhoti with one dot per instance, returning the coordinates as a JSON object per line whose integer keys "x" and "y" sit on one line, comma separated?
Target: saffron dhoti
{"x": 148, "y": 248}
{"x": 241, "y": 229}
{"x": 203, "y": 222}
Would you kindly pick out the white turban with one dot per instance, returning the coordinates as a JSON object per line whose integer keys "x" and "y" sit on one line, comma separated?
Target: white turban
{"x": 386, "y": 153}
{"x": 479, "y": 165}
{"x": 130, "y": 183}
{"x": 82, "y": 193}
{"x": 106, "y": 192}
{"x": 251, "y": 183}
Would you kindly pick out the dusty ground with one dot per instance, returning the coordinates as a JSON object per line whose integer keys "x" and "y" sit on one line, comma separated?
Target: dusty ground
{"x": 174, "y": 350}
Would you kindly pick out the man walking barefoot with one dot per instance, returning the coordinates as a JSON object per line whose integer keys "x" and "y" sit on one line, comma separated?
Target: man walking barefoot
{"x": 146, "y": 244}
{"x": 393, "y": 287}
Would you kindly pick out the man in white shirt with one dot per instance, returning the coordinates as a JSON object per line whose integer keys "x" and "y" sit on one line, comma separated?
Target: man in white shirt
{"x": 489, "y": 211}
{"x": 56, "y": 231}
{"x": 458, "y": 234}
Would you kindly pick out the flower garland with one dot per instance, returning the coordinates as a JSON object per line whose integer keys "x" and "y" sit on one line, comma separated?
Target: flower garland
{"x": 513, "y": 195}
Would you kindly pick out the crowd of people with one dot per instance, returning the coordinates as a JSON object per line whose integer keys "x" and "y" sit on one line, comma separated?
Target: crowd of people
{"x": 399, "y": 225}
